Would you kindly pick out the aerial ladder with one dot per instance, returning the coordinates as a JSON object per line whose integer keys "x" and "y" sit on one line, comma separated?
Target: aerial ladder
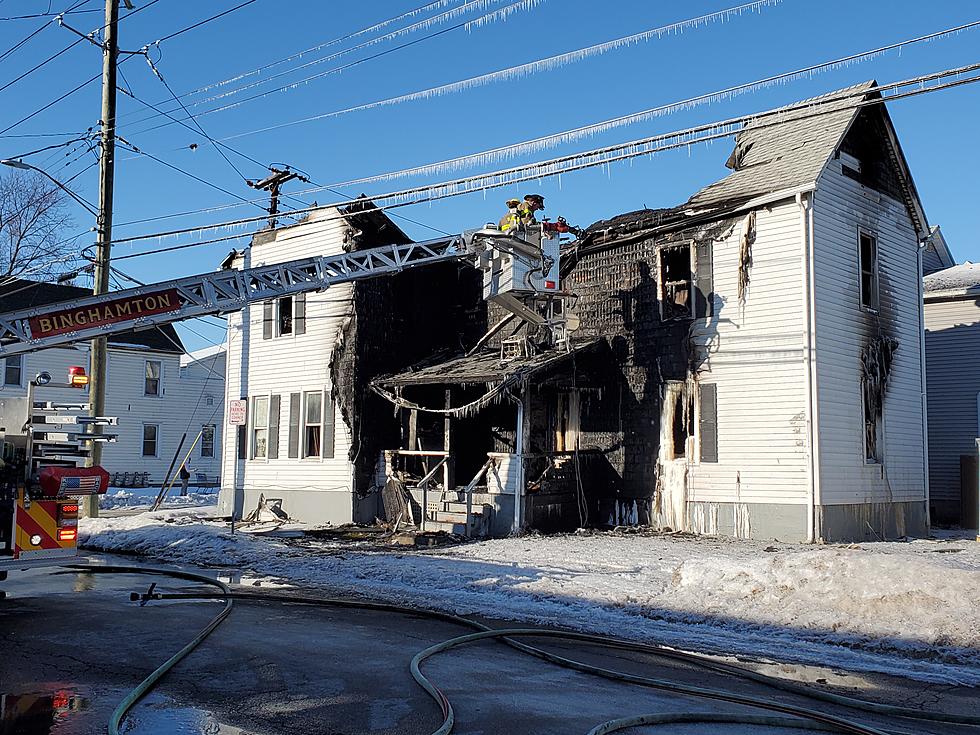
{"x": 520, "y": 273}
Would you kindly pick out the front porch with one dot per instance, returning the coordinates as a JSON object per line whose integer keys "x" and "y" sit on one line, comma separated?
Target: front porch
{"x": 489, "y": 447}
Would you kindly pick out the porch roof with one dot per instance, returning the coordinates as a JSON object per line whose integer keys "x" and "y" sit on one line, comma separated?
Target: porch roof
{"x": 485, "y": 367}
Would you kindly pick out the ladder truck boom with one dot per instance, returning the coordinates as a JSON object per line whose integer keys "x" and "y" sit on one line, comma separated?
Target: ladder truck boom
{"x": 221, "y": 292}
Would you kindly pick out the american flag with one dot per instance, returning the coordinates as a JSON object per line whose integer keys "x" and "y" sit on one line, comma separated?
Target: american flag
{"x": 81, "y": 483}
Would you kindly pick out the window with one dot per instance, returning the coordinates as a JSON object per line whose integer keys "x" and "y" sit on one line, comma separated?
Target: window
{"x": 869, "y": 271}
{"x": 284, "y": 315}
{"x": 260, "y": 427}
{"x": 13, "y": 370}
{"x": 872, "y": 426}
{"x": 207, "y": 440}
{"x": 151, "y": 380}
{"x": 312, "y": 425}
{"x": 151, "y": 440}
{"x": 209, "y": 400}
{"x": 676, "y": 282}
{"x": 678, "y": 420}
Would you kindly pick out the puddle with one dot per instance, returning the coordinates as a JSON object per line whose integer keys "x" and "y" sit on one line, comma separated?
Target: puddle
{"x": 40, "y": 714}
{"x": 66, "y": 712}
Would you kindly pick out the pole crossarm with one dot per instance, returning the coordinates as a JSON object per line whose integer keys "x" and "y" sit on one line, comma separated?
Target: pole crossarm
{"x": 221, "y": 292}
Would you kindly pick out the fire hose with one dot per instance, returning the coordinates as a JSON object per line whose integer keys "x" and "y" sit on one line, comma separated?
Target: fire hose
{"x": 786, "y": 715}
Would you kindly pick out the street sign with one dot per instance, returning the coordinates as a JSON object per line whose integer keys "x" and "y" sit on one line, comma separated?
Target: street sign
{"x": 70, "y": 419}
{"x": 237, "y": 412}
{"x": 131, "y": 308}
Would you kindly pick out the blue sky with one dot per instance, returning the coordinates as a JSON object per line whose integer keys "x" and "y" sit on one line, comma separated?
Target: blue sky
{"x": 938, "y": 131}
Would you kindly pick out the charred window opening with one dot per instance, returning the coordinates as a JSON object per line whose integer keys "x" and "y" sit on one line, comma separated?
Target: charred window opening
{"x": 872, "y": 426}
{"x": 869, "y": 271}
{"x": 876, "y": 363}
{"x": 676, "y": 282}
{"x": 678, "y": 418}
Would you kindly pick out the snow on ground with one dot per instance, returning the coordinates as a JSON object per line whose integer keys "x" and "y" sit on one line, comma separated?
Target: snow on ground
{"x": 899, "y": 608}
{"x": 138, "y": 497}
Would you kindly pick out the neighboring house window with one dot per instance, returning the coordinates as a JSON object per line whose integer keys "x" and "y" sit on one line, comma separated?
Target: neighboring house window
{"x": 260, "y": 427}
{"x": 676, "y": 282}
{"x": 869, "y": 271}
{"x": 313, "y": 424}
{"x": 209, "y": 400}
{"x": 151, "y": 440}
{"x": 284, "y": 316}
{"x": 151, "y": 381}
{"x": 207, "y": 440}
{"x": 872, "y": 427}
{"x": 13, "y": 370}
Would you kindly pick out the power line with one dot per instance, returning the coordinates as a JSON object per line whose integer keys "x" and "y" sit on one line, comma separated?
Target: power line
{"x": 514, "y": 7}
{"x": 40, "y": 28}
{"x": 604, "y": 156}
{"x": 439, "y": 3}
{"x": 552, "y": 140}
{"x": 533, "y": 67}
{"x": 71, "y": 46}
{"x": 203, "y": 22}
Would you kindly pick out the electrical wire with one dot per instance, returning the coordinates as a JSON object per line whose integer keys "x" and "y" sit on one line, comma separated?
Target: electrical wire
{"x": 514, "y": 7}
{"x": 533, "y": 67}
{"x": 552, "y": 140}
{"x": 598, "y": 157}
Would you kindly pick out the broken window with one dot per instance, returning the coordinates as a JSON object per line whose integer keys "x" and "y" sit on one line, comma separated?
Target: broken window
{"x": 678, "y": 420}
{"x": 284, "y": 307}
{"x": 676, "y": 282}
{"x": 872, "y": 426}
{"x": 869, "y": 271}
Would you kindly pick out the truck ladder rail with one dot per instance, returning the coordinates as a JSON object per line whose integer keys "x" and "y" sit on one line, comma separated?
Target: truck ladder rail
{"x": 221, "y": 292}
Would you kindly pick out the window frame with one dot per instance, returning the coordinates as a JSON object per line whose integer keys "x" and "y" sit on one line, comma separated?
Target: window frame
{"x": 204, "y": 429}
{"x": 20, "y": 368}
{"x": 291, "y": 317}
{"x": 875, "y": 305}
{"x": 159, "y": 379}
{"x": 691, "y": 248}
{"x": 156, "y": 440}
{"x": 253, "y": 427}
{"x": 305, "y": 425}
{"x": 879, "y": 425}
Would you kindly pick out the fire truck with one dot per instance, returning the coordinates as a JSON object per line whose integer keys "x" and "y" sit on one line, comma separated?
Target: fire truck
{"x": 39, "y": 509}
{"x": 44, "y": 473}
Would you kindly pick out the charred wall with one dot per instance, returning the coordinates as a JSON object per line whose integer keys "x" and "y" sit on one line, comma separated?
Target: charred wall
{"x": 397, "y": 322}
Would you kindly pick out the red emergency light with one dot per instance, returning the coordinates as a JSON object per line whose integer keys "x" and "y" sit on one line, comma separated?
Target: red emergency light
{"x": 77, "y": 377}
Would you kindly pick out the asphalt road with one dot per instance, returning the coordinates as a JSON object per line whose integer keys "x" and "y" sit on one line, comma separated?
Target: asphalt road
{"x": 73, "y": 645}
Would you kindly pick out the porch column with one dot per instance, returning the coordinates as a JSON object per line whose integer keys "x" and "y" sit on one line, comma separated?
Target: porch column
{"x": 522, "y": 437}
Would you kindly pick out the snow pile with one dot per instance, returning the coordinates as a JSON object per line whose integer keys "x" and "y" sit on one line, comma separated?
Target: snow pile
{"x": 900, "y": 608}
{"x": 117, "y": 497}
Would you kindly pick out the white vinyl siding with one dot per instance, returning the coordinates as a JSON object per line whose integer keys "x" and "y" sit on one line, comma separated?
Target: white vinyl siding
{"x": 321, "y": 491}
{"x": 842, "y": 209}
{"x": 756, "y": 364}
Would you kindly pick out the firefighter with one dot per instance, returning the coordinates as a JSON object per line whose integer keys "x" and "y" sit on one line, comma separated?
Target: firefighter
{"x": 511, "y": 220}
{"x": 531, "y": 204}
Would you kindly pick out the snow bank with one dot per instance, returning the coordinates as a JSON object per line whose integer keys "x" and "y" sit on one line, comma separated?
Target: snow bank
{"x": 117, "y": 497}
{"x": 899, "y": 608}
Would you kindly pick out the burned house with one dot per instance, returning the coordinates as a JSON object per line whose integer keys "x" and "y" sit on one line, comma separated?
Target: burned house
{"x": 749, "y": 363}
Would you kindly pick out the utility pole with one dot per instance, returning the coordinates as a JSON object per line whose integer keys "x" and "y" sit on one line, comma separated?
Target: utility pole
{"x": 107, "y": 163}
{"x": 272, "y": 184}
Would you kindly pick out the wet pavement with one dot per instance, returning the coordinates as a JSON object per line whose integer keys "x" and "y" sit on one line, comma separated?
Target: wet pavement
{"x": 73, "y": 645}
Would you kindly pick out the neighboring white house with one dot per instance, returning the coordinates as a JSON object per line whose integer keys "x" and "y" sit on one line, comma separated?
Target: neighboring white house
{"x": 294, "y": 446}
{"x": 145, "y": 389}
{"x": 952, "y": 311}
